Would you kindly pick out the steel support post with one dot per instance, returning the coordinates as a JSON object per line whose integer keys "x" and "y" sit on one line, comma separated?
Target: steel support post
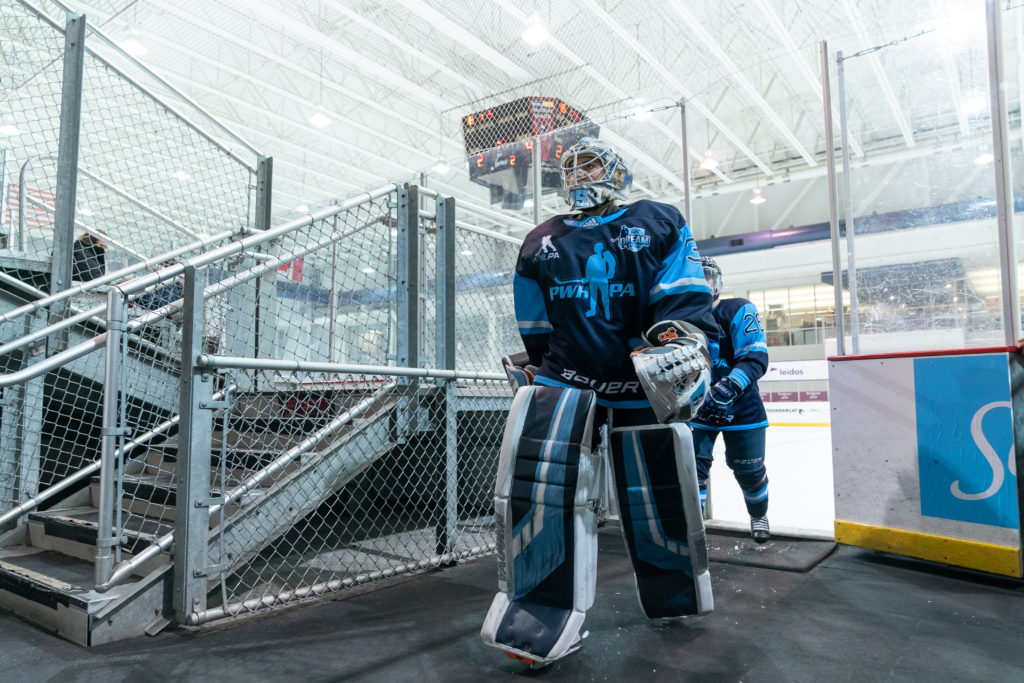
{"x": 1002, "y": 162}
{"x": 830, "y": 157}
{"x": 444, "y": 278}
{"x": 538, "y": 179}
{"x": 851, "y": 265}
{"x": 264, "y": 186}
{"x": 107, "y": 537}
{"x": 332, "y": 298}
{"x": 195, "y": 431}
{"x": 408, "y": 304}
{"x": 67, "y": 170}
{"x": 686, "y": 161}
{"x": 6, "y": 236}
{"x": 242, "y": 336}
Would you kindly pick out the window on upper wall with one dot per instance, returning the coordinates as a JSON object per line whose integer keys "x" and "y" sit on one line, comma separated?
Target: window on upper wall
{"x": 799, "y": 315}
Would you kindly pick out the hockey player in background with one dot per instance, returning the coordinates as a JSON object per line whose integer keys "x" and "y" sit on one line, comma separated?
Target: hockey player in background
{"x": 591, "y": 287}
{"x": 733, "y": 406}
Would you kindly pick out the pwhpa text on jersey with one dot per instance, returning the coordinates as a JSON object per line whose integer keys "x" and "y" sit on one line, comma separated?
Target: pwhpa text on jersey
{"x": 616, "y": 290}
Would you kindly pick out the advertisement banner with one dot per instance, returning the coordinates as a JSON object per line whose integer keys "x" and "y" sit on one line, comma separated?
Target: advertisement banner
{"x": 965, "y": 439}
{"x": 790, "y": 370}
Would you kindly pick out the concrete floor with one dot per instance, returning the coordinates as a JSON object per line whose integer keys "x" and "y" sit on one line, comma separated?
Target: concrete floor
{"x": 857, "y": 616}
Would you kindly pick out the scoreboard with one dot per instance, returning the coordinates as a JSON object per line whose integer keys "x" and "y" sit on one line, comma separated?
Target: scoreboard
{"x": 501, "y": 140}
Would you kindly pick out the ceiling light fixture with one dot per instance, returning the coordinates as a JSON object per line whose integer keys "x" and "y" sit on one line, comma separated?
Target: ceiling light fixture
{"x": 985, "y": 158}
{"x": 440, "y": 167}
{"x": 302, "y": 208}
{"x": 535, "y": 32}
{"x": 9, "y": 131}
{"x": 758, "y": 198}
{"x": 709, "y": 162}
{"x": 181, "y": 175}
{"x": 132, "y": 45}
{"x": 319, "y": 117}
{"x": 639, "y": 112}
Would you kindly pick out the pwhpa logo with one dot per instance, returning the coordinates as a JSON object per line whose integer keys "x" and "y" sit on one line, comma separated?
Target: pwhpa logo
{"x": 547, "y": 249}
{"x": 633, "y": 239}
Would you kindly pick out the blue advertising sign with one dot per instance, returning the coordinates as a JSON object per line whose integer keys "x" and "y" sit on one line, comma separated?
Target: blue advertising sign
{"x": 965, "y": 439}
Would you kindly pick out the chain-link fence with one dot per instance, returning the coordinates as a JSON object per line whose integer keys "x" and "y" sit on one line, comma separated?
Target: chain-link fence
{"x": 314, "y": 479}
{"x": 33, "y": 71}
{"x": 149, "y": 184}
{"x": 148, "y": 180}
{"x": 367, "y": 500}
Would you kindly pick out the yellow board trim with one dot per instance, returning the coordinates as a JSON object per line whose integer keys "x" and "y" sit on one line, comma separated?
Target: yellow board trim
{"x": 986, "y": 557}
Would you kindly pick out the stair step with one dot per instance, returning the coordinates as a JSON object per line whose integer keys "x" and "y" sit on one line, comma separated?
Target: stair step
{"x": 48, "y": 577}
{"x": 154, "y": 495}
{"x": 81, "y": 525}
{"x": 56, "y": 592}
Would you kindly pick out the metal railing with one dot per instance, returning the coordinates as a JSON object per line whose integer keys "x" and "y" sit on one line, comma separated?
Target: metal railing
{"x": 137, "y": 163}
{"x": 437, "y": 508}
{"x": 351, "y": 293}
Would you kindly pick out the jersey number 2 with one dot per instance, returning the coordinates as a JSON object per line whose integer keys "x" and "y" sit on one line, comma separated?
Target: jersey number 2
{"x": 753, "y": 324}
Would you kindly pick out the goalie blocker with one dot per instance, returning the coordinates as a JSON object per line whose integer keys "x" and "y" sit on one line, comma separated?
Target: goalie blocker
{"x": 545, "y": 500}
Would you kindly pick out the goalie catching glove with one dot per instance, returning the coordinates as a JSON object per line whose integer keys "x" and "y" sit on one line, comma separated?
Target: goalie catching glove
{"x": 675, "y": 372}
{"x": 720, "y": 401}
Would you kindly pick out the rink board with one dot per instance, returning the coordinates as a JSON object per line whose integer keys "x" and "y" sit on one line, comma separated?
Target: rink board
{"x": 924, "y": 455}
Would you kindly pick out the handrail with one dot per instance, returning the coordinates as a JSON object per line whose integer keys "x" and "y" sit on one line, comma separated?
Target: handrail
{"x": 111, "y": 277}
{"x": 518, "y": 241}
{"x": 171, "y": 272}
{"x": 242, "y": 245}
{"x": 55, "y": 361}
{"x": 34, "y": 502}
{"x": 160, "y": 80}
{"x": 79, "y": 316}
{"x": 22, "y": 197}
{"x": 125, "y": 569}
{"x": 238, "y": 363}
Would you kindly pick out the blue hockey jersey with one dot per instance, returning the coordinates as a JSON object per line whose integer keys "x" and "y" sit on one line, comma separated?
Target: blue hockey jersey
{"x": 586, "y": 288}
{"x": 741, "y": 352}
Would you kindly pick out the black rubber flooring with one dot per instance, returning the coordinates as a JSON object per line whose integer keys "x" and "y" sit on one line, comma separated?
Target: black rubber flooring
{"x": 856, "y": 616}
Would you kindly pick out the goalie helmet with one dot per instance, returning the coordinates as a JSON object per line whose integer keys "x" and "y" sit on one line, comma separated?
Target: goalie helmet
{"x": 713, "y": 274}
{"x": 593, "y": 173}
{"x": 675, "y": 377}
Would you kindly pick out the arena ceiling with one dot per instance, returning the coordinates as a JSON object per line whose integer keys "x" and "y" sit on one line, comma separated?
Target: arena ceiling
{"x": 391, "y": 83}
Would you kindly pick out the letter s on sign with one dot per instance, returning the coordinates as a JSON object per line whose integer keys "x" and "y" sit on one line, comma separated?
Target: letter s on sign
{"x": 990, "y": 456}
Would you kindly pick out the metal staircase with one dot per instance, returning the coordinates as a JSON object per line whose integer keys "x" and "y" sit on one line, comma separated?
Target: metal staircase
{"x": 213, "y": 471}
{"x": 47, "y": 572}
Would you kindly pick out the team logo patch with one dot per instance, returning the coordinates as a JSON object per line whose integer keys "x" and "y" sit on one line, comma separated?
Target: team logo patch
{"x": 547, "y": 249}
{"x": 633, "y": 239}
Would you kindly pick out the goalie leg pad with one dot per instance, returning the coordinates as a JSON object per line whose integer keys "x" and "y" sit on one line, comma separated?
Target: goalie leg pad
{"x": 656, "y": 484}
{"x": 544, "y": 507}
